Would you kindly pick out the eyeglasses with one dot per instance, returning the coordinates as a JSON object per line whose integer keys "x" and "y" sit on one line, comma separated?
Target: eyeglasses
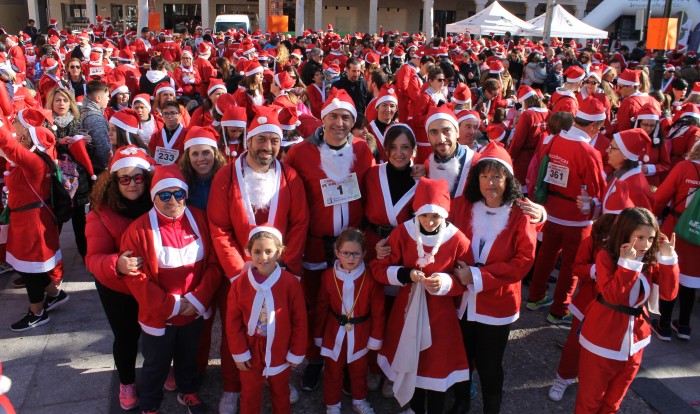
{"x": 440, "y": 79}
{"x": 73, "y": 67}
{"x": 346, "y": 254}
{"x": 127, "y": 179}
{"x": 590, "y": 83}
{"x": 171, "y": 114}
{"x": 165, "y": 196}
{"x": 611, "y": 148}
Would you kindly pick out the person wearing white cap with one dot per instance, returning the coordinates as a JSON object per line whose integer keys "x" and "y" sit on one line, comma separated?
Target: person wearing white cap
{"x": 632, "y": 99}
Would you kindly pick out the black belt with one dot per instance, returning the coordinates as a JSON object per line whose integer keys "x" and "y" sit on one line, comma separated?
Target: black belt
{"x": 560, "y": 195}
{"x": 627, "y": 310}
{"x": 343, "y": 319}
{"x": 381, "y": 231}
{"x": 26, "y": 207}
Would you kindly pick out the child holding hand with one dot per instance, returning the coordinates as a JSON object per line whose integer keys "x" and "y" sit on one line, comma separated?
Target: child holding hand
{"x": 266, "y": 323}
{"x": 350, "y": 316}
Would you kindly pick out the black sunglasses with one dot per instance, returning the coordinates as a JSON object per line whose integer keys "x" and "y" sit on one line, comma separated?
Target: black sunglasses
{"x": 127, "y": 179}
{"x": 166, "y": 195}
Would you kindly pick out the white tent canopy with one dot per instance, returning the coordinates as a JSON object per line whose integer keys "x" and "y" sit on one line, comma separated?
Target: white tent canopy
{"x": 564, "y": 25}
{"x": 493, "y": 19}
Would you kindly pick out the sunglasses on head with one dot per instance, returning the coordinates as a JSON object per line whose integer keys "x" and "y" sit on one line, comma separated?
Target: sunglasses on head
{"x": 166, "y": 195}
{"x": 127, "y": 179}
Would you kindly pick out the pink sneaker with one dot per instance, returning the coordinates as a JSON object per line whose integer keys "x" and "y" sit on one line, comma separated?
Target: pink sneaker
{"x": 127, "y": 397}
{"x": 170, "y": 384}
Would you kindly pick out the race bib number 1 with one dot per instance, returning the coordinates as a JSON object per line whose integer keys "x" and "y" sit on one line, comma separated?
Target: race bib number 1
{"x": 166, "y": 156}
{"x": 557, "y": 174}
{"x": 342, "y": 192}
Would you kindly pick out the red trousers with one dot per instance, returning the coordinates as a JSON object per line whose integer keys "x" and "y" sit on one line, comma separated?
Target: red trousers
{"x": 229, "y": 372}
{"x": 311, "y": 283}
{"x": 252, "y": 383}
{"x": 603, "y": 382}
{"x": 557, "y": 238}
{"x": 333, "y": 377}
{"x": 568, "y": 361}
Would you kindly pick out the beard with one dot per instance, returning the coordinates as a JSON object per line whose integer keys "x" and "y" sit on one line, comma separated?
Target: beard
{"x": 337, "y": 164}
{"x": 260, "y": 188}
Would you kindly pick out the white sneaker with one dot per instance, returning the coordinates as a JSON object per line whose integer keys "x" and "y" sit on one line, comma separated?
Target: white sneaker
{"x": 362, "y": 407}
{"x": 293, "y": 394}
{"x": 373, "y": 381}
{"x": 387, "y": 390}
{"x": 556, "y": 393}
{"x": 229, "y": 403}
{"x": 333, "y": 409}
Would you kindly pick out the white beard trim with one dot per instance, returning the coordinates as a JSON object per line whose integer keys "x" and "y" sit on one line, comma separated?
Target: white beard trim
{"x": 337, "y": 164}
{"x": 260, "y": 188}
{"x": 448, "y": 171}
{"x": 488, "y": 223}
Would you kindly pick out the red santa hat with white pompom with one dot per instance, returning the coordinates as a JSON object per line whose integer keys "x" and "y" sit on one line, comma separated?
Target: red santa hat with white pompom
{"x": 432, "y": 196}
{"x": 634, "y": 144}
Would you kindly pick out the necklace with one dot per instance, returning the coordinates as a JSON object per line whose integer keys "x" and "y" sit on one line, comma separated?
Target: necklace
{"x": 348, "y": 325}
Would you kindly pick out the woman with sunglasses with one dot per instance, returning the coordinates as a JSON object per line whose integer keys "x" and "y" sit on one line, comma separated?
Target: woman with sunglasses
{"x": 74, "y": 78}
{"x": 118, "y": 198}
{"x": 592, "y": 87}
{"x": 173, "y": 287}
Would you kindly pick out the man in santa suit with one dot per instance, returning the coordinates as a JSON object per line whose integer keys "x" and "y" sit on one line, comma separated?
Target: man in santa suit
{"x": 385, "y": 107}
{"x": 107, "y": 27}
{"x": 169, "y": 49}
{"x": 332, "y": 163}
{"x": 204, "y": 67}
{"x": 668, "y": 78}
{"x": 632, "y": 99}
{"x": 143, "y": 47}
{"x": 572, "y": 163}
{"x": 126, "y": 71}
{"x": 409, "y": 80}
{"x": 449, "y": 161}
{"x": 168, "y": 144}
{"x": 531, "y": 123}
{"x": 15, "y": 54}
{"x": 49, "y": 80}
{"x": 83, "y": 50}
{"x": 564, "y": 98}
{"x": 336, "y": 55}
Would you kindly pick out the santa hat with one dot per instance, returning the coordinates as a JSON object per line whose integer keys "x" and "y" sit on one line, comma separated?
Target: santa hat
{"x": 144, "y": 99}
{"x": 525, "y": 92}
{"x": 372, "y": 58}
{"x": 79, "y": 152}
{"x": 167, "y": 176}
{"x": 84, "y": 35}
{"x": 618, "y": 200}
{"x": 224, "y": 101}
{"x": 53, "y": 21}
{"x": 333, "y": 69}
{"x": 386, "y": 94}
{"x": 163, "y": 87}
{"x": 696, "y": 89}
{"x": 95, "y": 59}
{"x": 130, "y": 156}
{"x": 234, "y": 116}
{"x": 629, "y": 77}
{"x": 43, "y": 139}
{"x": 462, "y": 95}
{"x": 253, "y": 67}
{"x": 687, "y": 109}
{"x": 495, "y": 152}
{"x": 335, "y": 45}
{"x": 125, "y": 55}
{"x": 296, "y": 53}
{"x": 574, "y": 74}
{"x": 48, "y": 63}
{"x": 442, "y": 112}
{"x": 432, "y": 196}
{"x": 126, "y": 119}
{"x": 288, "y": 118}
{"x": 197, "y": 135}
{"x": 187, "y": 51}
{"x": 329, "y": 28}
{"x": 466, "y": 114}
{"x": 338, "y": 99}
{"x": 204, "y": 48}
{"x": 669, "y": 68}
{"x": 265, "y": 120}
{"x": 634, "y": 144}
{"x": 496, "y": 132}
{"x": 265, "y": 228}
{"x": 214, "y": 84}
{"x": 591, "y": 109}
{"x": 652, "y": 113}
{"x": 496, "y": 67}
{"x": 116, "y": 88}
{"x": 284, "y": 81}
{"x": 33, "y": 118}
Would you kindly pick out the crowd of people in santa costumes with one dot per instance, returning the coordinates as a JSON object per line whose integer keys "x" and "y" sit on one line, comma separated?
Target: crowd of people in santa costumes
{"x": 371, "y": 204}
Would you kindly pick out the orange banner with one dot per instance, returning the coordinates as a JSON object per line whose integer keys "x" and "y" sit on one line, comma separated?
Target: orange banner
{"x": 153, "y": 22}
{"x": 662, "y": 33}
{"x": 277, "y": 24}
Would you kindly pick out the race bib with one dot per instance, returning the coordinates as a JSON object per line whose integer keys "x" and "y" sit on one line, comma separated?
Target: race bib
{"x": 166, "y": 156}
{"x": 557, "y": 174}
{"x": 342, "y": 192}
{"x": 97, "y": 71}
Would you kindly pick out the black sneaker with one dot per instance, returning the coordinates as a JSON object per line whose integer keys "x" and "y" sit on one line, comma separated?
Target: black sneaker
{"x": 52, "y": 302}
{"x": 30, "y": 321}
{"x": 662, "y": 332}
{"x": 682, "y": 331}
{"x": 311, "y": 376}
{"x": 192, "y": 402}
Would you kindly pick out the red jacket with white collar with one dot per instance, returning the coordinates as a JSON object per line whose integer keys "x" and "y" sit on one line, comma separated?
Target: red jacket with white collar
{"x": 629, "y": 108}
{"x": 563, "y": 101}
{"x": 637, "y": 188}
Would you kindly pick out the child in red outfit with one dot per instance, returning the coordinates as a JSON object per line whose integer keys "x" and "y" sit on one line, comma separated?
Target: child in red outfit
{"x": 267, "y": 326}
{"x": 350, "y": 315}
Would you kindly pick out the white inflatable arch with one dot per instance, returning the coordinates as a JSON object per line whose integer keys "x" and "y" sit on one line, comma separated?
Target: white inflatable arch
{"x": 609, "y": 10}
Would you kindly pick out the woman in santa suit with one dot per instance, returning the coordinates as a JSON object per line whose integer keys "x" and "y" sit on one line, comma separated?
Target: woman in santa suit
{"x": 187, "y": 78}
{"x": 531, "y": 123}
{"x": 316, "y": 92}
{"x": 684, "y": 132}
{"x": 422, "y": 351}
{"x": 204, "y": 115}
{"x": 386, "y": 106}
{"x": 591, "y": 87}
{"x": 502, "y": 252}
{"x": 32, "y": 243}
{"x": 679, "y": 188}
{"x": 173, "y": 288}
{"x": 627, "y": 150}
{"x": 659, "y": 158}
{"x": 251, "y": 93}
{"x": 233, "y": 126}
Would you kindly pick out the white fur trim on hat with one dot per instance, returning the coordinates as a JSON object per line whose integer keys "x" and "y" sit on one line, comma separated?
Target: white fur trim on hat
{"x": 432, "y": 208}
{"x": 143, "y": 101}
{"x": 215, "y": 87}
{"x": 441, "y": 115}
{"x": 258, "y": 69}
{"x": 233, "y": 123}
{"x": 265, "y": 128}
{"x": 590, "y": 117}
{"x": 339, "y": 104}
{"x": 468, "y": 116}
{"x": 116, "y": 122}
{"x": 167, "y": 183}
{"x": 386, "y": 98}
{"x": 165, "y": 89}
{"x": 622, "y": 81}
{"x": 649, "y": 117}
{"x": 527, "y": 95}
{"x": 121, "y": 89}
{"x": 505, "y": 164}
{"x": 135, "y": 162}
{"x": 200, "y": 141}
{"x": 623, "y": 149}
{"x": 260, "y": 229}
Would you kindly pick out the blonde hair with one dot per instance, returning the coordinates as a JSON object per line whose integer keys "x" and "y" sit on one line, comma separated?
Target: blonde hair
{"x": 73, "y": 106}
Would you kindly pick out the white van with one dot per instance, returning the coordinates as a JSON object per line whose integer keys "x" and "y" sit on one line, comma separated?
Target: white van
{"x": 232, "y": 21}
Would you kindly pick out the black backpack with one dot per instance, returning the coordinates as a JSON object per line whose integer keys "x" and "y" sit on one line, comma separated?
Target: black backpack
{"x": 60, "y": 202}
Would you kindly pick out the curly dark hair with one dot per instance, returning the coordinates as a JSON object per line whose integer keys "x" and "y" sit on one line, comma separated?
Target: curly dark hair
{"x": 472, "y": 192}
{"x": 106, "y": 192}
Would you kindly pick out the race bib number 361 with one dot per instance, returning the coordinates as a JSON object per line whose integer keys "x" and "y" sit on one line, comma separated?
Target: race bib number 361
{"x": 340, "y": 192}
{"x": 557, "y": 174}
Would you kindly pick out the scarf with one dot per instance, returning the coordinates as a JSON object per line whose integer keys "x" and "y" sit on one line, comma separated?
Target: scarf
{"x": 64, "y": 120}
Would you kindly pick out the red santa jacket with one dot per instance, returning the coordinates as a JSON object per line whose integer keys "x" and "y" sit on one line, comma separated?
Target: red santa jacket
{"x": 206, "y": 71}
{"x": 563, "y": 101}
{"x": 231, "y": 215}
{"x": 189, "y": 87}
{"x": 202, "y": 117}
{"x": 508, "y": 253}
{"x": 531, "y": 123}
{"x": 178, "y": 261}
{"x": 616, "y": 335}
{"x": 682, "y": 141}
{"x": 47, "y": 83}
{"x": 584, "y": 269}
{"x": 169, "y": 50}
{"x": 601, "y": 143}
{"x": 636, "y": 186}
{"x": 159, "y": 142}
{"x": 408, "y": 87}
{"x": 286, "y": 319}
{"x": 242, "y": 98}
{"x": 362, "y": 296}
{"x": 659, "y": 164}
{"x": 127, "y": 73}
{"x": 629, "y": 108}
{"x": 317, "y": 96}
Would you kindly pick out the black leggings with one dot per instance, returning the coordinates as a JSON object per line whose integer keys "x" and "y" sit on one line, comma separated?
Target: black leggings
{"x": 686, "y": 297}
{"x": 434, "y": 400}
{"x": 122, "y": 314}
{"x": 35, "y": 283}
{"x": 78, "y": 219}
{"x": 486, "y": 345}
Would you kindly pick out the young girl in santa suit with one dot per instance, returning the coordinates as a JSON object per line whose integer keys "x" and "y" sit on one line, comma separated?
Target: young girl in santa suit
{"x": 266, "y": 320}
{"x": 637, "y": 264}
{"x": 350, "y": 316}
{"x": 423, "y": 352}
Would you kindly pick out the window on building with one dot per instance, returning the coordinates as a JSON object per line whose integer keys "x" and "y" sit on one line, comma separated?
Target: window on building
{"x": 179, "y": 16}
{"x": 625, "y": 28}
{"x": 124, "y": 21}
{"x": 74, "y": 16}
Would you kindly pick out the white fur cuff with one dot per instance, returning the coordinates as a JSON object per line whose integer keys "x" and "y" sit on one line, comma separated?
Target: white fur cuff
{"x": 242, "y": 357}
{"x": 445, "y": 284}
{"x": 477, "y": 281}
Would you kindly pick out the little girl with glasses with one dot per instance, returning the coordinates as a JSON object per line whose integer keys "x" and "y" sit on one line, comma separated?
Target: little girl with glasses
{"x": 349, "y": 319}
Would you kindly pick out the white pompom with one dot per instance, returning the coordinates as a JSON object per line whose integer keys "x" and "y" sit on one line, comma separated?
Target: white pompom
{"x": 656, "y": 141}
{"x": 336, "y": 101}
{"x": 93, "y": 177}
{"x": 5, "y": 384}
{"x": 5, "y": 189}
{"x": 12, "y": 164}
{"x": 645, "y": 158}
{"x": 390, "y": 91}
{"x": 54, "y": 127}
{"x": 6, "y": 173}
{"x": 262, "y": 120}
